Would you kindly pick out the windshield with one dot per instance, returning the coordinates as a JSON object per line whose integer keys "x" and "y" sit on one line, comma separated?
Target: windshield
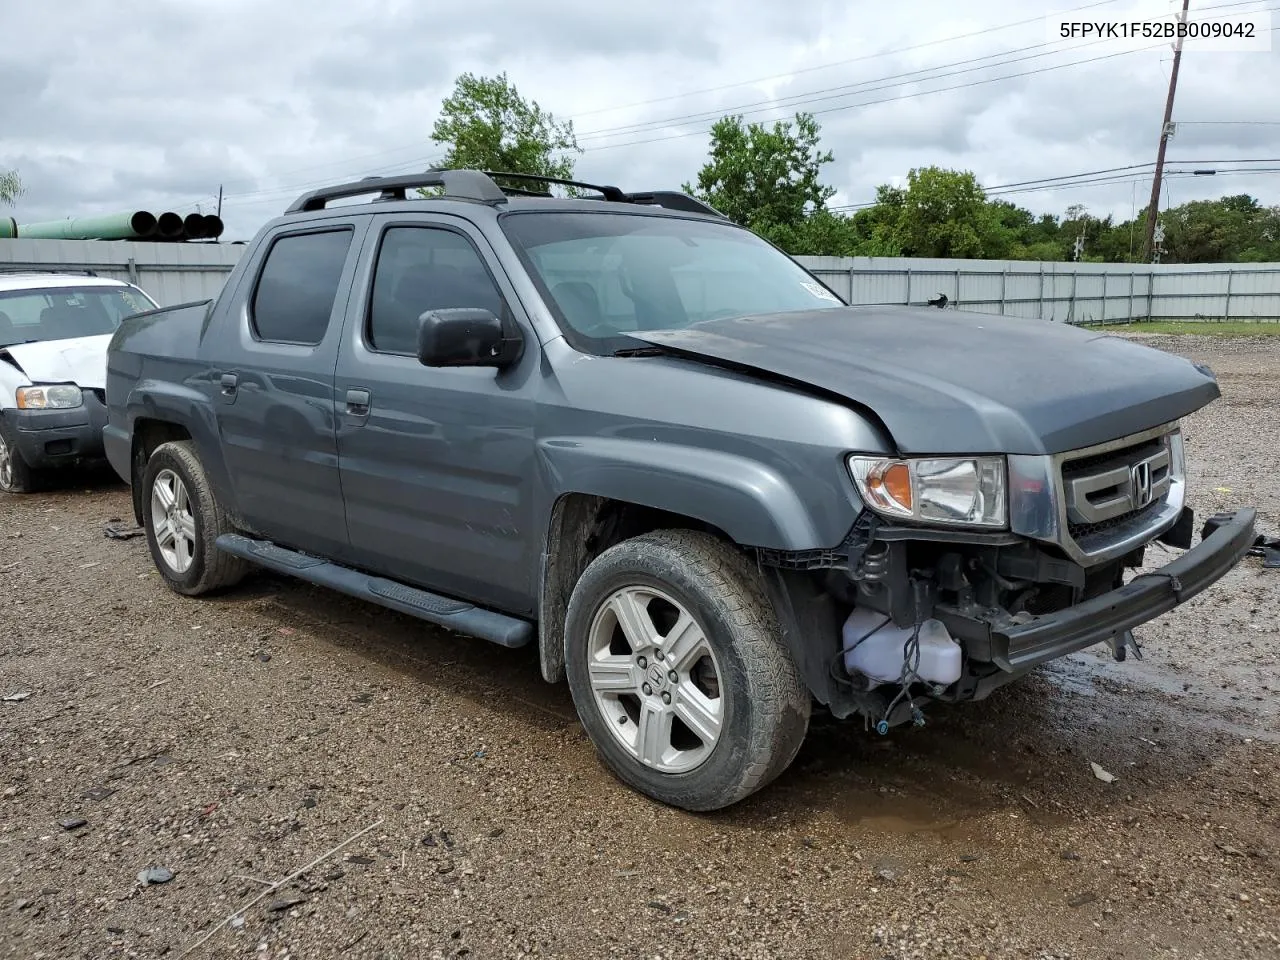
{"x": 612, "y": 274}
{"x": 60, "y": 313}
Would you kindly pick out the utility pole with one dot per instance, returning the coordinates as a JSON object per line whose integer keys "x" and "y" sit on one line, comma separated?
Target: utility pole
{"x": 1165, "y": 131}
{"x": 219, "y": 201}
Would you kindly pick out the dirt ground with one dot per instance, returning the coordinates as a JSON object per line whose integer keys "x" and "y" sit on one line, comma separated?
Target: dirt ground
{"x": 235, "y": 741}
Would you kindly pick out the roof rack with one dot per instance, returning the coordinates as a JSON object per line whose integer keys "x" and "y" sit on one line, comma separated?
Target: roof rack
{"x": 480, "y": 185}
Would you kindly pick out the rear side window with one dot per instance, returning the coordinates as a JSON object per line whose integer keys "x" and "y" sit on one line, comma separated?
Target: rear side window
{"x": 421, "y": 269}
{"x": 298, "y": 285}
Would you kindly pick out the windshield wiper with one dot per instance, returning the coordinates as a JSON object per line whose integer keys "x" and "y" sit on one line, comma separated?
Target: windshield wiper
{"x": 17, "y": 343}
{"x": 647, "y": 351}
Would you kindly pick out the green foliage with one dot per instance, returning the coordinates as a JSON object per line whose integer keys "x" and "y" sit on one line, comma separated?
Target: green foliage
{"x": 944, "y": 213}
{"x": 1231, "y": 229}
{"x": 488, "y": 125}
{"x": 10, "y": 186}
{"x": 768, "y": 179}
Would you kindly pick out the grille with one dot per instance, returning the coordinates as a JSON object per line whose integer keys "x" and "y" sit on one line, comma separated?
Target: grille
{"x": 1102, "y": 462}
{"x": 1100, "y": 484}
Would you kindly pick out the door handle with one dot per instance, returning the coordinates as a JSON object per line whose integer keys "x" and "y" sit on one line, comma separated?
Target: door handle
{"x": 229, "y": 382}
{"x": 358, "y": 402}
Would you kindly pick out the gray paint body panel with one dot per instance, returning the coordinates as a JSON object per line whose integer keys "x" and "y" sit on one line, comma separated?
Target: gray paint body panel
{"x": 947, "y": 381}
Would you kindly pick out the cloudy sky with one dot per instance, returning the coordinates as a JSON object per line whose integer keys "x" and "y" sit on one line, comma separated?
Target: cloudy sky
{"x": 107, "y": 105}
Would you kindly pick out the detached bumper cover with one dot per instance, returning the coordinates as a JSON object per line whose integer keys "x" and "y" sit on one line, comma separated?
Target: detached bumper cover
{"x": 1020, "y": 647}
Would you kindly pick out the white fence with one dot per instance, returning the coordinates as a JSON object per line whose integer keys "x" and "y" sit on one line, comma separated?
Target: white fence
{"x": 1066, "y": 292}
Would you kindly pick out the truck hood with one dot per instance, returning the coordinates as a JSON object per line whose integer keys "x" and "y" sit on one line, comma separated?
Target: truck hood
{"x": 945, "y": 382}
{"x": 80, "y": 360}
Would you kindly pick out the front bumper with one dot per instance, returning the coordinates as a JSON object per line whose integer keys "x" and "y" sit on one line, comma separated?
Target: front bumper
{"x": 1016, "y": 648}
{"x": 52, "y": 438}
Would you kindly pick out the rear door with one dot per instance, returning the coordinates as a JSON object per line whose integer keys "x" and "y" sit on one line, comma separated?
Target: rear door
{"x": 437, "y": 464}
{"x": 274, "y": 389}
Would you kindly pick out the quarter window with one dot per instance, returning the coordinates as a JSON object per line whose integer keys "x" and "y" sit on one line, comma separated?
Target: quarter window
{"x": 421, "y": 269}
{"x": 298, "y": 286}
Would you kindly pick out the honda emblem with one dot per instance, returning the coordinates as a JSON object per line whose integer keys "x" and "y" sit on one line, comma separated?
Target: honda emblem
{"x": 1141, "y": 484}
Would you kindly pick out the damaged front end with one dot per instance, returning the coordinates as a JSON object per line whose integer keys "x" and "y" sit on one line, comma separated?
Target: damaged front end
{"x": 903, "y": 613}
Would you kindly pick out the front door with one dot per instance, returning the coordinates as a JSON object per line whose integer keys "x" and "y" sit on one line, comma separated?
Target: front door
{"x": 273, "y": 387}
{"x": 437, "y": 464}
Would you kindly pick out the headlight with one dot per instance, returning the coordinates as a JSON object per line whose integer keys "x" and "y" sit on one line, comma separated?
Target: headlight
{"x": 49, "y": 398}
{"x": 960, "y": 491}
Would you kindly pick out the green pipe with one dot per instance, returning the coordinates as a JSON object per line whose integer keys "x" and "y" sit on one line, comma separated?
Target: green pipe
{"x": 8, "y": 228}
{"x": 134, "y": 225}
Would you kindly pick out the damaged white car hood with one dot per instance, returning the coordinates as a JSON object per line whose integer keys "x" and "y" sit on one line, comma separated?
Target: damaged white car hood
{"x": 80, "y": 360}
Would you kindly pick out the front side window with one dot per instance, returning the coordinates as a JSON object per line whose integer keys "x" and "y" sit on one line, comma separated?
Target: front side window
{"x": 298, "y": 285}
{"x": 421, "y": 269}
{"x": 612, "y": 274}
{"x": 63, "y": 313}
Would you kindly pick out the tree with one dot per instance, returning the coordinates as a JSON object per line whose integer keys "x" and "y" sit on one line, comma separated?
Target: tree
{"x": 945, "y": 213}
{"x": 10, "y": 186}
{"x": 488, "y": 125}
{"x": 768, "y": 179}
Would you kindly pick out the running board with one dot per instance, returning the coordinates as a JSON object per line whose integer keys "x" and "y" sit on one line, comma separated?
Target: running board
{"x": 453, "y": 614}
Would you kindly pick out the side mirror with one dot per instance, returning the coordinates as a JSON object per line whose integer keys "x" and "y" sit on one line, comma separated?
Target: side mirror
{"x": 466, "y": 337}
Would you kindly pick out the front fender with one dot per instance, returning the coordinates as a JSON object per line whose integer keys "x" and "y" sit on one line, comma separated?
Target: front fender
{"x": 750, "y": 501}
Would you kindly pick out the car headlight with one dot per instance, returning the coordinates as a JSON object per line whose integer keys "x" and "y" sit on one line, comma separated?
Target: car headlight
{"x": 955, "y": 491}
{"x": 49, "y": 398}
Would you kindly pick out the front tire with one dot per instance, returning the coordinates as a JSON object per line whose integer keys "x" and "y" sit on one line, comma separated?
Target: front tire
{"x": 16, "y": 475}
{"x": 183, "y": 520}
{"x": 678, "y": 671}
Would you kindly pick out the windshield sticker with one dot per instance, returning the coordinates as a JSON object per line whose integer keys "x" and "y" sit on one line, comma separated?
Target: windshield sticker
{"x": 819, "y": 291}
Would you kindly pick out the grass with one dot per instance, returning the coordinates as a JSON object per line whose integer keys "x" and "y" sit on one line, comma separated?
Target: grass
{"x": 1206, "y": 328}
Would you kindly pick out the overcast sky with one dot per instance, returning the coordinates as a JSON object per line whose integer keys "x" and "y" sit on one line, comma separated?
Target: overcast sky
{"x": 108, "y": 105}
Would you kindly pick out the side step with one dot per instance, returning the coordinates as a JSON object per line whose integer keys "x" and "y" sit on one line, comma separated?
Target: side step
{"x": 454, "y": 614}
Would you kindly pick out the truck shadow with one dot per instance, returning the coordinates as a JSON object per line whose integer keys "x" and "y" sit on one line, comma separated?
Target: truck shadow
{"x": 1025, "y": 750}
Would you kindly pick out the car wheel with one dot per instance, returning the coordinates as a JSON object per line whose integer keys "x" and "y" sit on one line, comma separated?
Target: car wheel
{"x": 15, "y": 475}
{"x": 183, "y": 520}
{"x": 678, "y": 671}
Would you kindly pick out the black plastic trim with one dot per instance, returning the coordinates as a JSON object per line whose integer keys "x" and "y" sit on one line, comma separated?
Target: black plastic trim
{"x": 443, "y": 611}
{"x": 1145, "y": 597}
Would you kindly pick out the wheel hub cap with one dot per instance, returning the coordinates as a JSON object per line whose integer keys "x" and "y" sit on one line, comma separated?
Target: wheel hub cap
{"x": 655, "y": 679}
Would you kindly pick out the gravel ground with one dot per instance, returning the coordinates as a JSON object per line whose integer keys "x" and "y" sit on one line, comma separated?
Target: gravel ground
{"x": 235, "y": 741}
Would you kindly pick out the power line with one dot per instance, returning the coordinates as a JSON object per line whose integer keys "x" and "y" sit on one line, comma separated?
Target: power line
{"x": 832, "y": 93}
{"x": 828, "y": 93}
{"x": 904, "y": 96}
{"x": 843, "y": 63}
{"x": 1092, "y": 177}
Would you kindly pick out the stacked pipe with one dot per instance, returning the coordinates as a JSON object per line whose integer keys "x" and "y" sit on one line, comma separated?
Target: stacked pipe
{"x": 131, "y": 225}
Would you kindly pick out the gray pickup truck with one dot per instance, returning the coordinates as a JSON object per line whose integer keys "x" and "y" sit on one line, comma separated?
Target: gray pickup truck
{"x": 625, "y": 430}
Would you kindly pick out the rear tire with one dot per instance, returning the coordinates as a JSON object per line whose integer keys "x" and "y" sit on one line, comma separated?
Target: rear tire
{"x": 183, "y": 521}
{"x": 16, "y": 476}
{"x": 724, "y": 712}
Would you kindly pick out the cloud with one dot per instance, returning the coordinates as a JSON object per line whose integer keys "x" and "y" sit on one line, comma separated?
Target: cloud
{"x": 157, "y": 103}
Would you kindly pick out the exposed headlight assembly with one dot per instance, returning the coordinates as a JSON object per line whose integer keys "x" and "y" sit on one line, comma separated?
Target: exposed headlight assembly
{"x": 61, "y": 397}
{"x": 950, "y": 491}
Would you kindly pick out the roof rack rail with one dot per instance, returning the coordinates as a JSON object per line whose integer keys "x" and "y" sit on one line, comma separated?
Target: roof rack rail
{"x": 668, "y": 199}
{"x": 608, "y": 192}
{"x": 674, "y": 200}
{"x": 481, "y": 185}
{"x": 62, "y": 272}
{"x": 458, "y": 184}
